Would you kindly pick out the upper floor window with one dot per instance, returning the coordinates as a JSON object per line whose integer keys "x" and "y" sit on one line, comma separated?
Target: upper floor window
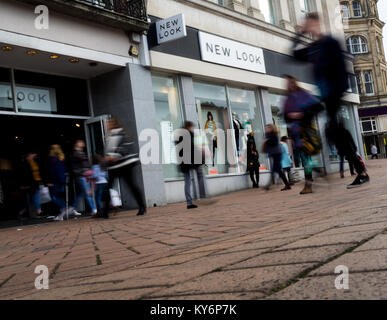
{"x": 345, "y": 11}
{"x": 267, "y": 9}
{"x": 357, "y": 12}
{"x": 357, "y": 45}
{"x": 306, "y": 6}
{"x": 359, "y": 83}
{"x": 369, "y": 83}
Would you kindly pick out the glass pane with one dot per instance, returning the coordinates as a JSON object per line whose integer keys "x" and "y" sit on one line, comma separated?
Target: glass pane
{"x": 211, "y": 104}
{"x": 6, "y": 101}
{"x": 243, "y": 105}
{"x": 169, "y": 118}
{"x": 266, "y": 8}
{"x": 43, "y": 93}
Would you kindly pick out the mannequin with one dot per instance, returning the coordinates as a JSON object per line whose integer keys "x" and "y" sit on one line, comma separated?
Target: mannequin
{"x": 236, "y": 126}
{"x": 210, "y": 129}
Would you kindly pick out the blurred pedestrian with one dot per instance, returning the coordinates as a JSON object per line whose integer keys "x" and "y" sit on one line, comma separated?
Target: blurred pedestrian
{"x": 273, "y": 149}
{"x": 120, "y": 162}
{"x": 374, "y": 152}
{"x": 286, "y": 160}
{"x": 100, "y": 177}
{"x": 30, "y": 182}
{"x": 331, "y": 77}
{"x": 82, "y": 172}
{"x": 299, "y": 109}
{"x": 253, "y": 160}
{"x": 57, "y": 178}
{"x": 193, "y": 165}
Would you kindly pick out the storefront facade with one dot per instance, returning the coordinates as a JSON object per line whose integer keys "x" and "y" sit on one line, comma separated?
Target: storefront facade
{"x": 228, "y": 68}
{"x": 58, "y": 63}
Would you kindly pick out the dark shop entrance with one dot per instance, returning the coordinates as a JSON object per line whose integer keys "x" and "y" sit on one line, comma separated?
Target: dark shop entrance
{"x": 21, "y": 135}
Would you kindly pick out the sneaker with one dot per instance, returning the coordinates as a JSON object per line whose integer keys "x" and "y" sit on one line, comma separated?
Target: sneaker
{"x": 58, "y": 218}
{"x": 192, "y": 206}
{"x": 76, "y": 213}
{"x": 286, "y": 188}
{"x": 360, "y": 180}
{"x": 95, "y": 211}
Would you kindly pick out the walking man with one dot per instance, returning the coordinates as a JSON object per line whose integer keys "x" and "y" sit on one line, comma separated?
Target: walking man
{"x": 331, "y": 77}
{"x": 374, "y": 151}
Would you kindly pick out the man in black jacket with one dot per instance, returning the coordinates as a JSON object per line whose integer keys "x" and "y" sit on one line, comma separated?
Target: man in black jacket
{"x": 192, "y": 162}
{"x": 331, "y": 77}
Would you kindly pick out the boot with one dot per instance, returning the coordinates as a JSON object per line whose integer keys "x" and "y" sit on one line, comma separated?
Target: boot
{"x": 308, "y": 188}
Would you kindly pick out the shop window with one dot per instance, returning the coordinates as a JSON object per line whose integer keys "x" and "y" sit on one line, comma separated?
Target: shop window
{"x": 6, "y": 100}
{"x": 357, "y": 45}
{"x": 345, "y": 11}
{"x": 244, "y": 109}
{"x": 356, "y": 7}
{"x": 267, "y": 9}
{"x": 235, "y": 112}
{"x": 43, "y": 93}
{"x": 369, "y": 83}
{"x": 213, "y": 112}
{"x": 169, "y": 118}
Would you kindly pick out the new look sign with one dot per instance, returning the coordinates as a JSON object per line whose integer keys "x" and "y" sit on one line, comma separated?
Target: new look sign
{"x": 231, "y": 53}
{"x": 171, "y": 29}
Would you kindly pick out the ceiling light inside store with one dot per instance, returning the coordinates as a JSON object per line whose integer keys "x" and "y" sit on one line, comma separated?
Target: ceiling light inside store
{"x": 32, "y": 52}
{"x": 54, "y": 56}
{"x": 77, "y": 125}
{"x": 7, "y": 48}
{"x": 74, "y": 60}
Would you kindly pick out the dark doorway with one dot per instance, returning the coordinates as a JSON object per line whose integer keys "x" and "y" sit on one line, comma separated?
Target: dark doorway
{"x": 19, "y": 135}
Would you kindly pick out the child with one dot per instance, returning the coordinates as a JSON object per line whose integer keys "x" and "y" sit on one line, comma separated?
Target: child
{"x": 286, "y": 161}
{"x": 101, "y": 180}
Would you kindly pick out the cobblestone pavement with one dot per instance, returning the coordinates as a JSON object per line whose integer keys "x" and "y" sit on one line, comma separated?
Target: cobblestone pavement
{"x": 249, "y": 245}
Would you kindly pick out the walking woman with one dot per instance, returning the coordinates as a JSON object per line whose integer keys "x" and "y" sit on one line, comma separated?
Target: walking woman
{"x": 286, "y": 161}
{"x": 120, "y": 163}
{"x": 299, "y": 109}
{"x": 273, "y": 149}
{"x": 253, "y": 160}
{"x": 57, "y": 178}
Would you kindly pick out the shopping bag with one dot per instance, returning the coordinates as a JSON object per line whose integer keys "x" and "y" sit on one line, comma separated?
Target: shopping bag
{"x": 44, "y": 194}
{"x": 115, "y": 199}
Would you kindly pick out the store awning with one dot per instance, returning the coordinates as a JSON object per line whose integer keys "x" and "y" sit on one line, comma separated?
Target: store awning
{"x": 372, "y": 112}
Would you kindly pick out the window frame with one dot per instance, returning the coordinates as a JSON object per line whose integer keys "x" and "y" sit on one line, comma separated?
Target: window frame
{"x": 347, "y": 10}
{"x": 361, "y": 43}
{"x": 358, "y": 9}
{"x": 368, "y": 82}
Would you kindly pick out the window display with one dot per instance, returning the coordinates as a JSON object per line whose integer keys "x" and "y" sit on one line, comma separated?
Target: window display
{"x": 169, "y": 118}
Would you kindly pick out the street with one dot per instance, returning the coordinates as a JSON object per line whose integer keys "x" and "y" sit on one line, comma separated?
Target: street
{"x": 251, "y": 244}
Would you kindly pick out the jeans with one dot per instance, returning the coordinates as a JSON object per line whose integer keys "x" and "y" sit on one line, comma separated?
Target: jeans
{"x": 56, "y": 193}
{"x": 277, "y": 168}
{"x": 307, "y": 163}
{"x": 83, "y": 191}
{"x": 188, "y": 182}
{"x": 99, "y": 192}
{"x": 351, "y": 168}
{"x": 254, "y": 180}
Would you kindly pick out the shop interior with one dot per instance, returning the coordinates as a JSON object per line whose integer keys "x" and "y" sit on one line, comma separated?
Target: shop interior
{"x": 23, "y": 134}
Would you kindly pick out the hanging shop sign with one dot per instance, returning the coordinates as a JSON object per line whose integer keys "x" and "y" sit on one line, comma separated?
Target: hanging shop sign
{"x": 231, "y": 53}
{"x": 171, "y": 29}
{"x": 31, "y": 98}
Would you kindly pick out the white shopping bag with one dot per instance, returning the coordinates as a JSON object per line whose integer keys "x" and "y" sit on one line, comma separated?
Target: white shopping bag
{"x": 115, "y": 198}
{"x": 44, "y": 193}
